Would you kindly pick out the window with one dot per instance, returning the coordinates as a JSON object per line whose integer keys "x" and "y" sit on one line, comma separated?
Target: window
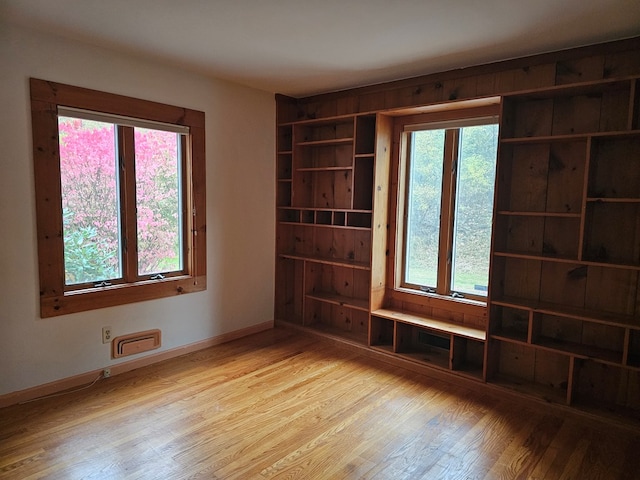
{"x": 120, "y": 198}
{"x": 448, "y": 186}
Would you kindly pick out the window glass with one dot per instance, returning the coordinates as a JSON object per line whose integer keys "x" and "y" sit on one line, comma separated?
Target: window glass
{"x": 158, "y": 201}
{"x": 473, "y": 209}
{"x": 90, "y": 201}
{"x": 449, "y": 184}
{"x": 423, "y": 207}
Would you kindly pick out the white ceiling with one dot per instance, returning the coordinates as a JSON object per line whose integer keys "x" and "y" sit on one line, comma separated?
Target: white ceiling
{"x": 303, "y": 47}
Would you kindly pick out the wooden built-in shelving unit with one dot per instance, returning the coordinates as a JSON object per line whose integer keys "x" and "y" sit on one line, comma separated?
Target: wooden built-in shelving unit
{"x": 562, "y": 319}
{"x": 565, "y": 285}
{"x": 325, "y": 180}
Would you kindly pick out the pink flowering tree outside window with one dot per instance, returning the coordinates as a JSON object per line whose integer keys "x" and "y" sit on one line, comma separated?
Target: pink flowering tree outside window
{"x": 158, "y": 201}
{"x": 92, "y": 218}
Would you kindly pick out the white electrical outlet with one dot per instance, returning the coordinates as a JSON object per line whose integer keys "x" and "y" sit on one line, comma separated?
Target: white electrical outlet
{"x": 106, "y": 334}
{"x": 106, "y": 373}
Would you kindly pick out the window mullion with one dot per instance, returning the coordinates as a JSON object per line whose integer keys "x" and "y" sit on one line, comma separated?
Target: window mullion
{"x": 446, "y": 213}
{"x": 128, "y": 202}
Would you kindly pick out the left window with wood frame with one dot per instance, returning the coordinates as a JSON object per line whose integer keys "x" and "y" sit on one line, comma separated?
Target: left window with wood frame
{"x": 120, "y": 198}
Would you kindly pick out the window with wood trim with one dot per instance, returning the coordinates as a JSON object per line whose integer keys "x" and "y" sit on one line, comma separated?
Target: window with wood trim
{"x": 446, "y": 205}
{"x": 120, "y": 198}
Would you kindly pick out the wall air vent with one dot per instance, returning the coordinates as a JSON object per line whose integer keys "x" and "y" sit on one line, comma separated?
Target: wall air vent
{"x": 135, "y": 343}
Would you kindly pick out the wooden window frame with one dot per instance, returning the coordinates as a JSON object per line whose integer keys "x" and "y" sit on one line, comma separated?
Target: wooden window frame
{"x": 443, "y": 292}
{"x": 55, "y": 298}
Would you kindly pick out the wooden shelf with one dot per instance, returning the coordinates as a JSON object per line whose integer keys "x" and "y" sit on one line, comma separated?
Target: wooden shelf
{"x": 540, "y": 214}
{"x": 572, "y": 349}
{"x": 612, "y": 200}
{"x": 327, "y": 261}
{"x": 435, "y": 358}
{"x": 570, "y": 260}
{"x": 581, "y": 351}
{"x": 432, "y": 324}
{"x": 570, "y": 312}
{"x": 323, "y": 225}
{"x": 324, "y": 143}
{"x": 328, "y": 120}
{"x": 578, "y": 88}
{"x": 510, "y": 339}
{"x": 569, "y": 137}
{"x": 323, "y": 169}
{"x": 540, "y": 257}
{"x": 330, "y": 331}
{"x": 350, "y": 302}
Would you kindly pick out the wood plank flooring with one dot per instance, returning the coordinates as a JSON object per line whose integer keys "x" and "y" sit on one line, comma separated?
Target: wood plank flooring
{"x": 283, "y": 405}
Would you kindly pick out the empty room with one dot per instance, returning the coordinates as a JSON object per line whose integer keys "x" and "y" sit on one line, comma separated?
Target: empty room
{"x": 357, "y": 239}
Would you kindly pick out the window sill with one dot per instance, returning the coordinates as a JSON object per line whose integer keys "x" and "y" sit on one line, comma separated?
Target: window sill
{"x": 444, "y": 302}
{"x": 447, "y": 298}
{"x": 120, "y": 294}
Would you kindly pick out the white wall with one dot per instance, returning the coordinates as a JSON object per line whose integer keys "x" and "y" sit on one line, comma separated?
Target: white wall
{"x": 240, "y": 126}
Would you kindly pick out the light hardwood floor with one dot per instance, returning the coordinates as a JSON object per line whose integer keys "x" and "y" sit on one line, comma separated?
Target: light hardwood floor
{"x": 283, "y": 405}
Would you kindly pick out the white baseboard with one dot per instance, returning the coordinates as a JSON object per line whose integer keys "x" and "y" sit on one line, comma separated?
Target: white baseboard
{"x": 88, "y": 377}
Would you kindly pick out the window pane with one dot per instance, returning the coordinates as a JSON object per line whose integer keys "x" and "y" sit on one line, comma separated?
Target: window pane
{"x": 159, "y": 201}
{"x": 90, "y": 206}
{"x": 423, "y": 207}
{"x": 474, "y": 207}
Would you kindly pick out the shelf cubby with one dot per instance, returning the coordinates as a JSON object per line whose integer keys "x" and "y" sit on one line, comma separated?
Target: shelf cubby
{"x": 359, "y": 219}
{"x": 532, "y": 371}
{"x": 613, "y": 291}
{"x": 612, "y": 233}
{"x": 333, "y": 245}
{"x": 289, "y": 295}
{"x": 323, "y": 189}
{"x": 325, "y": 130}
{"x": 429, "y": 341}
{"x": 337, "y": 320}
{"x": 542, "y": 177}
{"x": 284, "y": 166}
{"x": 382, "y": 333}
{"x": 332, "y": 154}
{"x": 423, "y": 345}
{"x": 283, "y": 193}
{"x": 285, "y": 138}
{"x": 599, "y": 106}
{"x": 338, "y": 285}
{"x": 288, "y": 215}
{"x": 633, "y": 355}
{"x": 339, "y": 218}
{"x": 602, "y": 387}
{"x": 363, "y": 189}
{"x": 549, "y": 236}
{"x": 365, "y": 134}
{"x": 583, "y": 339}
{"x": 468, "y": 357}
{"x": 510, "y": 323}
{"x": 614, "y": 168}
{"x": 323, "y": 217}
